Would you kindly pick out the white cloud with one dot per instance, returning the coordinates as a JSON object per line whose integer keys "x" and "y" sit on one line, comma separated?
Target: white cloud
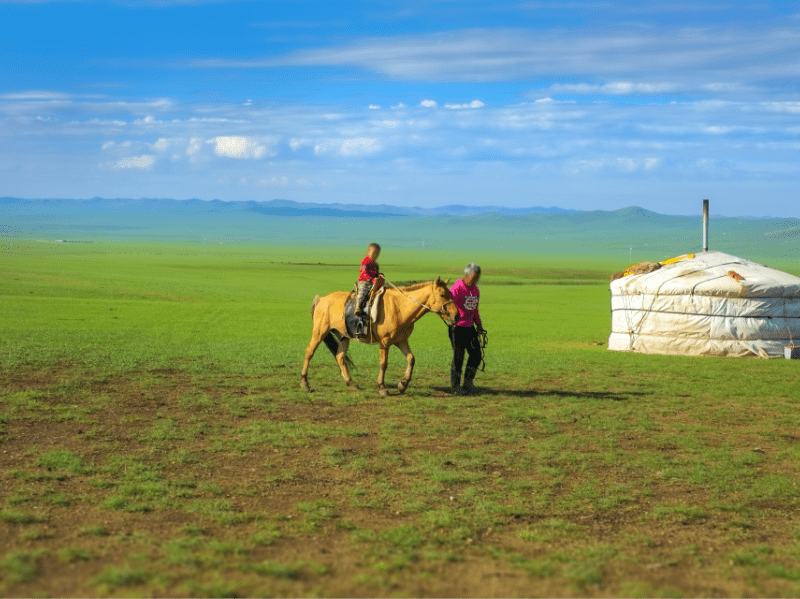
{"x": 718, "y": 130}
{"x": 284, "y": 181}
{"x": 576, "y": 167}
{"x": 113, "y": 145}
{"x": 194, "y": 147}
{"x": 298, "y": 143}
{"x": 428, "y": 103}
{"x": 725, "y": 87}
{"x": 614, "y": 88}
{"x": 239, "y": 147}
{"x": 387, "y": 124}
{"x": 781, "y": 146}
{"x": 358, "y": 146}
{"x": 36, "y": 95}
{"x": 374, "y": 107}
{"x": 143, "y": 162}
{"x": 105, "y": 123}
{"x": 789, "y": 107}
{"x": 473, "y": 104}
{"x": 148, "y": 120}
{"x": 706, "y": 164}
{"x": 677, "y": 57}
{"x": 161, "y": 145}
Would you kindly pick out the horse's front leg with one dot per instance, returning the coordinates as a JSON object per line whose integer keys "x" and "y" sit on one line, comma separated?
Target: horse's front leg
{"x": 341, "y": 358}
{"x": 406, "y": 349}
{"x": 384, "y": 357}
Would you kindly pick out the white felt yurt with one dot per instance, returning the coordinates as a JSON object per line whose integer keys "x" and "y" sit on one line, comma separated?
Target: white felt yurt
{"x": 709, "y": 303}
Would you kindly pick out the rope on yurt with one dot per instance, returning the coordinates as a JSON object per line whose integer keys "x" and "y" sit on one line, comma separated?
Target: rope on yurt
{"x": 635, "y": 330}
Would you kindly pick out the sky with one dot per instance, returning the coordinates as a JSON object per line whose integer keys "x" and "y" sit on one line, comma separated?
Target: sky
{"x": 586, "y": 105}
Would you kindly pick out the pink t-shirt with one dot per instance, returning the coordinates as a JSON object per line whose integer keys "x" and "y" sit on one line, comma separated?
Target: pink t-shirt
{"x": 466, "y": 300}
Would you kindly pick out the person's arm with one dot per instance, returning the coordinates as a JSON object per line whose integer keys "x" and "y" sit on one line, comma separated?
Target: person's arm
{"x": 477, "y": 316}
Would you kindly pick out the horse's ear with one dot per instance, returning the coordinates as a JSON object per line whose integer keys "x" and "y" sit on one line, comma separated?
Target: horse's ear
{"x": 447, "y": 282}
{"x": 437, "y": 281}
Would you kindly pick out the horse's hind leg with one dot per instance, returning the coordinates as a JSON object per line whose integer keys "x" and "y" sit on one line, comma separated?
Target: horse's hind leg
{"x": 316, "y": 339}
{"x": 341, "y": 358}
{"x": 406, "y": 349}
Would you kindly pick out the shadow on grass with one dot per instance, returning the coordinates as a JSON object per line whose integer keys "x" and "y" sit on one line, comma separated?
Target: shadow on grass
{"x": 533, "y": 393}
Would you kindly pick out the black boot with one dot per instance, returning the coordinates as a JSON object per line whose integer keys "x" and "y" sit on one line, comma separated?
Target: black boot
{"x": 455, "y": 382}
{"x": 469, "y": 376}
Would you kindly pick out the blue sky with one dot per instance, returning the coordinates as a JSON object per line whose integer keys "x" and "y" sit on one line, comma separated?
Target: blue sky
{"x": 579, "y": 104}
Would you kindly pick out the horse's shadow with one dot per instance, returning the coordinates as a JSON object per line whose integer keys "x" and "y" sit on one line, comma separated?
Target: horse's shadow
{"x": 534, "y": 393}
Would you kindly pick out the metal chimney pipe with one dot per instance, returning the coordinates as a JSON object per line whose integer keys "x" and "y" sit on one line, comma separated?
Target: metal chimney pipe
{"x": 705, "y": 225}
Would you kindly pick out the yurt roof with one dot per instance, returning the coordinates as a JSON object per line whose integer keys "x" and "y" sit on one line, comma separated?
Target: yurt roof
{"x": 711, "y": 274}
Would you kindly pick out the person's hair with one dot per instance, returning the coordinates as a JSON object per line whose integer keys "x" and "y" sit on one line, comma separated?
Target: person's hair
{"x": 374, "y": 246}
{"x": 472, "y": 269}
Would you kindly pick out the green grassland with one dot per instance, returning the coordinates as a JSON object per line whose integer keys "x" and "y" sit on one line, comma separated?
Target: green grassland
{"x": 154, "y": 439}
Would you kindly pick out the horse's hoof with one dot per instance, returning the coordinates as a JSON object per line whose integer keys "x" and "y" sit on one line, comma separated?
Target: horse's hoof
{"x": 304, "y": 386}
{"x": 384, "y": 392}
{"x": 402, "y": 387}
{"x": 352, "y": 384}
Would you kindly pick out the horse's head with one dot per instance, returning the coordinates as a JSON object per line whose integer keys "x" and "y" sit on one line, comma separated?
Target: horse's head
{"x": 442, "y": 301}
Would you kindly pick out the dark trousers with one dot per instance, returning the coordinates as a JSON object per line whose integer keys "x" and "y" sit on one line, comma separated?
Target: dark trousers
{"x": 363, "y": 289}
{"x": 465, "y": 338}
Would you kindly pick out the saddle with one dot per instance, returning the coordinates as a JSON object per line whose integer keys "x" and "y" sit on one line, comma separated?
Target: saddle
{"x": 367, "y": 319}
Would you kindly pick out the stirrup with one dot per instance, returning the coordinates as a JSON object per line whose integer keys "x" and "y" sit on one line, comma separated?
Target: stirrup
{"x": 361, "y": 328}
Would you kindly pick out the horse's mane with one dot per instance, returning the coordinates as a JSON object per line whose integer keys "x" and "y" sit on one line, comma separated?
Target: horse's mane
{"x": 414, "y": 286}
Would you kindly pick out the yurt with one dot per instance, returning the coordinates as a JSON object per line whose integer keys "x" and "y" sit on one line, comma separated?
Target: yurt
{"x": 709, "y": 303}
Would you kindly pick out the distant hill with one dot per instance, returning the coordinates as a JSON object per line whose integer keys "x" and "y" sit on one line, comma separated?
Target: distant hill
{"x": 628, "y": 235}
{"x": 272, "y": 208}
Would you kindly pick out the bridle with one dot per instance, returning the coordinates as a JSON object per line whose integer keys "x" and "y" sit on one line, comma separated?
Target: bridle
{"x": 439, "y": 312}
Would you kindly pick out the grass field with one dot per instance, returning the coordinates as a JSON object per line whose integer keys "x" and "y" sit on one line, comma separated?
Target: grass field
{"x": 154, "y": 439}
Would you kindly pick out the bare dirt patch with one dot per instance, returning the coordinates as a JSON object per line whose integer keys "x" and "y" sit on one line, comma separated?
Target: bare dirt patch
{"x": 186, "y": 483}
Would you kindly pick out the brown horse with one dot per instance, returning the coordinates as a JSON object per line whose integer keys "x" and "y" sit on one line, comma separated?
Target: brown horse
{"x": 402, "y": 307}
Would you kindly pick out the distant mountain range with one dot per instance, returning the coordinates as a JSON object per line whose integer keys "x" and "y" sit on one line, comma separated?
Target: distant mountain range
{"x": 629, "y": 234}
{"x": 272, "y": 208}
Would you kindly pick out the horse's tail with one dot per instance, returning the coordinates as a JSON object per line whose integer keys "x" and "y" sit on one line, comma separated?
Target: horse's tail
{"x": 331, "y": 340}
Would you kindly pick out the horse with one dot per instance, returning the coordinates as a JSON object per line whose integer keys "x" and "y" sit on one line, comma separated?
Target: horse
{"x": 402, "y": 307}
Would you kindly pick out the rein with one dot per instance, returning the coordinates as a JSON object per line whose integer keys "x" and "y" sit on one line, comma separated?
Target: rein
{"x": 483, "y": 341}
{"x": 439, "y": 312}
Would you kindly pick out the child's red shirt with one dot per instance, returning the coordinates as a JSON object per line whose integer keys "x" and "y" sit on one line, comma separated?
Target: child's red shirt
{"x": 369, "y": 270}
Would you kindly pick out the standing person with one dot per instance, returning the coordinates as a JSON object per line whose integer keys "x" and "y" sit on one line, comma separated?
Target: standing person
{"x": 463, "y": 335}
{"x": 369, "y": 276}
